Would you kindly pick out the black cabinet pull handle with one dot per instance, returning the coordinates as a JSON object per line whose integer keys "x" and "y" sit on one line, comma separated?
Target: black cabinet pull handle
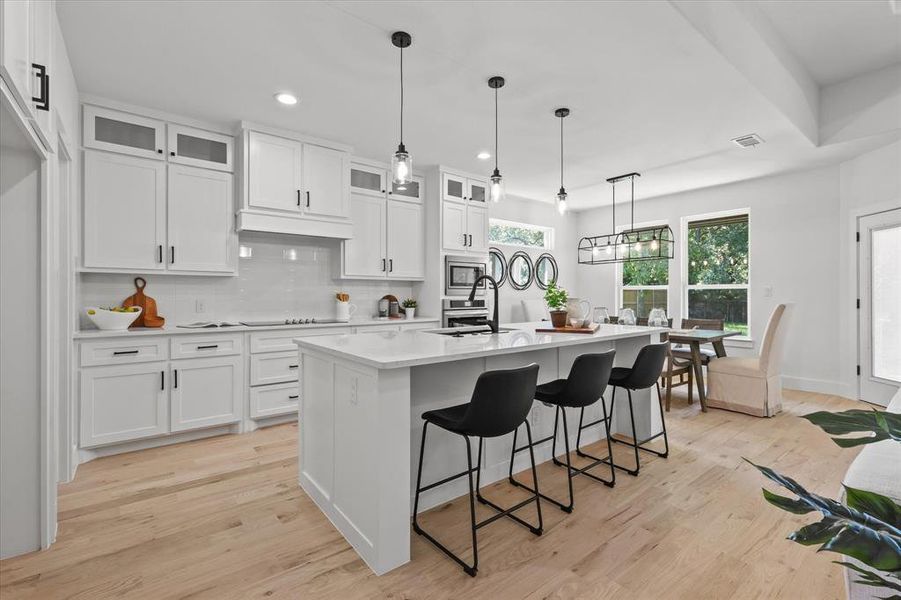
{"x": 159, "y": 253}
{"x": 308, "y": 199}
{"x": 172, "y": 255}
{"x": 390, "y": 265}
{"x": 124, "y": 352}
{"x": 294, "y": 397}
{"x": 293, "y": 366}
{"x": 175, "y": 373}
{"x": 209, "y": 347}
{"x": 162, "y": 380}
{"x": 383, "y": 264}
{"x": 42, "y": 102}
{"x": 298, "y": 197}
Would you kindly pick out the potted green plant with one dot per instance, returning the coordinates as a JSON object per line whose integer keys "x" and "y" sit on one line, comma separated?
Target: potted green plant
{"x": 556, "y": 298}
{"x": 409, "y": 307}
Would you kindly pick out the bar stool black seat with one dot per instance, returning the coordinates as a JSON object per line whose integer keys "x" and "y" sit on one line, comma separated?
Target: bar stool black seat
{"x": 644, "y": 373}
{"x": 500, "y": 403}
{"x": 585, "y": 385}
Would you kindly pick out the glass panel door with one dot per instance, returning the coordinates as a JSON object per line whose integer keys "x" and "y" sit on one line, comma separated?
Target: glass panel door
{"x": 879, "y": 327}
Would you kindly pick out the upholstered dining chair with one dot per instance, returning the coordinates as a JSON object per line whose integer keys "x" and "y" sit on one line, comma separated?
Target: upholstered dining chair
{"x": 752, "y": 385}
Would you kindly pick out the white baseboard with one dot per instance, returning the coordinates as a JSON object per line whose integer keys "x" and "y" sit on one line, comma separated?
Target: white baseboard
{"x": 820, "y": 386}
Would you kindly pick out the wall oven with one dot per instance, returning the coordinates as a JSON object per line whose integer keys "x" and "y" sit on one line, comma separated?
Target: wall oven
{"x": 463, "y": 313}
{"x": 460, "y": 272}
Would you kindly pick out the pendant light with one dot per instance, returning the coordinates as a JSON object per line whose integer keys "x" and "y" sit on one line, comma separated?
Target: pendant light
{"x": 401, "y": 161}
{"x": 496, "y": 191}
{"x": 561, "y": 195}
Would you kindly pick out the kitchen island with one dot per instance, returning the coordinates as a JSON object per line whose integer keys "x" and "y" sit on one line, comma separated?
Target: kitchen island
{"x": 360, "y": 419}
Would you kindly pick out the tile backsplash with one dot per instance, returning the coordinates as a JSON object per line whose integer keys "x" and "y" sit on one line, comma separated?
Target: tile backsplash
{"x": 279, "y": 276}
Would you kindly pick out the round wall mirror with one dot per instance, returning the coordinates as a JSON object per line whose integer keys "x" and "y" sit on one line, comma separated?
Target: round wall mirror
{"x": 520, "y": 271}
{"x": 497, "y": 265}
{"x": 545, "y": 271}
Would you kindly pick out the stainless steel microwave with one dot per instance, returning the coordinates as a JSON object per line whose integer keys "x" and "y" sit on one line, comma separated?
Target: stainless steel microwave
{"x": 460, "y": 272}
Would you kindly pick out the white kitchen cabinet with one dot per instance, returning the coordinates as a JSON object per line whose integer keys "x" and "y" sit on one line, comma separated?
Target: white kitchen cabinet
{"x": 117, "y": 131}
{"x": 453, "y": 226}
{"x": 477, "y": 228}
{"x": 275, "y": 175}
{"x": 406, "y": 241}
{"x": 200, "y": 148}
{"x": 124, "y": 212}
{"x": 365, "y": 254}
{"x": 368, "y": 180}
{"x": 206, "y": 392}
{"x": 200, "y": 220}
{"x": 121, "y": 403}
{"x": 326, "y": 181}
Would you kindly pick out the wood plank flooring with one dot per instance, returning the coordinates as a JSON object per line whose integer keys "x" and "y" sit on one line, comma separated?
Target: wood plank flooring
{"x": 224, "y": 518}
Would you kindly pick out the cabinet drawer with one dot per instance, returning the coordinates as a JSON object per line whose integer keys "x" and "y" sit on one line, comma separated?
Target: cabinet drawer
{"x": 272, "y": 400}
{"x": 123, "y": 352}
{"x": 277, "y": 367}
{"x": 197, "y": 346}
{"x": 281, "y": 340}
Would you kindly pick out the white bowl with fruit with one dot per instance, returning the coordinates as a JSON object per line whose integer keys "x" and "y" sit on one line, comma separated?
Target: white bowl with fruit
{"x": 116, "y": 318}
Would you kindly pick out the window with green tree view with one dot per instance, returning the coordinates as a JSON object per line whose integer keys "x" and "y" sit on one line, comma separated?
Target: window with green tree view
{"x": 644, "y": 286}
{"x": 718, "y": 270}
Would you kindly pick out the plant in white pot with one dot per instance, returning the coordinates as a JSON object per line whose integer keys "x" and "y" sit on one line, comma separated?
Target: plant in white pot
{"x": 556, "y": 298}
{"x": 409, "y": 307}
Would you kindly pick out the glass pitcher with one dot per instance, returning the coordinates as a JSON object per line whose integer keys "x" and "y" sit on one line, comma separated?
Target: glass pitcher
{"x": 601, "y": 315}
{"x": 657, "y": 318}
{"x": 626, "y": 316}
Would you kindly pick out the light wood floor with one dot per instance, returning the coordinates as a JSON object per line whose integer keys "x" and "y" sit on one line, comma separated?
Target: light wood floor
{"x": 224, "y": 518}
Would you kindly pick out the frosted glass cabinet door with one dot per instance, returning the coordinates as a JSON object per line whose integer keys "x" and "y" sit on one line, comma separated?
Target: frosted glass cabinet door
{"x": 365, "y": 253}
{"x": 325, "y": 176}
{"x": 201, "y": 219}
{"x": 406, "y": 241}
{"x": 199, "y": 148}
{"x": 116, "y": 131}
{"x": 275, "y": 172}
{"x": 124, "y": 212}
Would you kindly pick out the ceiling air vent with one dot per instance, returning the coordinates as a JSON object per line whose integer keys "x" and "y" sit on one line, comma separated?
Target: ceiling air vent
{"x": 747, "y": 141}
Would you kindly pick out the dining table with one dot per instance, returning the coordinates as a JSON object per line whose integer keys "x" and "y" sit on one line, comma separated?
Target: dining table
{"x": 693, "y": 338}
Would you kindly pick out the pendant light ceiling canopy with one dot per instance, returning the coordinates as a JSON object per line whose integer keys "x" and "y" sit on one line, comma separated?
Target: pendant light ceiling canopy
{"x": 401, "y": 161}
{"x": 646, "y": 243}
{"x": 497, "y": 182}
{"x": 561, "y": 113}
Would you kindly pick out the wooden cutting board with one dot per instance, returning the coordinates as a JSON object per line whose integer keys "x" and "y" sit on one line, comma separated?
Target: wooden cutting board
{"x": 590, "y": 329}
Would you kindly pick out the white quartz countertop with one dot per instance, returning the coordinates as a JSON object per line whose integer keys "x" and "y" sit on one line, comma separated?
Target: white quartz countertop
{"x": 394, "y": 349}
{"x": 175, "y": 330}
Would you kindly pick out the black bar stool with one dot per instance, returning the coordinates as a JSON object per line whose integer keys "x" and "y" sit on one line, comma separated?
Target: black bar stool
{"x": 500, "y": 404}
{"x": 584, "y": 386}
{"x": 644, "y": 373}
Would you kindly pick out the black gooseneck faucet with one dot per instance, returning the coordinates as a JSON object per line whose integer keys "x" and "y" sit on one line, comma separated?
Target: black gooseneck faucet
{"x": 493, "y": 324}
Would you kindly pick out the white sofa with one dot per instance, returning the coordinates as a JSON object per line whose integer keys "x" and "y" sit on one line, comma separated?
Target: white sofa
{"x": 877, "y": 469}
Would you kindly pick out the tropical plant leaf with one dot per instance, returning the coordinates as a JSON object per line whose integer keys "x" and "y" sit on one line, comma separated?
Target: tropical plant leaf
{"x": 874, "y": 579}
{"x": 883, "y": 425}
{"x": 799, "y": 507}
{"x": 883, "y": 508}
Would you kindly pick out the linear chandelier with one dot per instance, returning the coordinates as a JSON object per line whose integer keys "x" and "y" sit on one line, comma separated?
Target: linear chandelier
{"x": 645, "y": 243}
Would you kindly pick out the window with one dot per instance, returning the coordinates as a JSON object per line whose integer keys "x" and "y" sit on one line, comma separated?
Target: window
{"x": 511, "y": 233}
{"x": 718, "y": 270}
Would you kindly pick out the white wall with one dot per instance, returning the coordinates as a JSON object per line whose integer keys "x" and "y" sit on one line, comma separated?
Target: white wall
{"x": 564, "y": 251}
{"x": 869, "y": 183}
{"x": 286, "y": 276}
{"x": 794, "y": 225}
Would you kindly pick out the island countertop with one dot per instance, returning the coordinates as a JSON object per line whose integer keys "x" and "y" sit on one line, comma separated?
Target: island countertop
{"x": 389, "y": 350}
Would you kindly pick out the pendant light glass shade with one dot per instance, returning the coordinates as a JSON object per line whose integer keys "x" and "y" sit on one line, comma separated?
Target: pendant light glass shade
{"x": 561, "y": 195}
{"x": 401, "y": 161}
{"x": 496, "y": 190}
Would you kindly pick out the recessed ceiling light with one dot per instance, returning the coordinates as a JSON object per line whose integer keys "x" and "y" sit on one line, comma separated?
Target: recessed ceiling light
{"x": 286, "y": 98}
{"x": 483, "y": 155}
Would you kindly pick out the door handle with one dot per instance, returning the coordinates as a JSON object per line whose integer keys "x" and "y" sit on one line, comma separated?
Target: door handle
{"x": 42, "y": 102}
{"x": 175, "y": 383}
{"x": 298, "y": 197}
{"x": 308, "y": 198}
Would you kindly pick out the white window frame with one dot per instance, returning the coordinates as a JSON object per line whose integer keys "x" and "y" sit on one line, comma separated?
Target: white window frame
{"x": 620, "y": 288}
{"x": 747, "y": 339}
{"x": 548, "y": 233}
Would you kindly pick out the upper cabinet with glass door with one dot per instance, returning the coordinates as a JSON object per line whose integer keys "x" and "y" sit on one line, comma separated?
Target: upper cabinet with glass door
{"x": 116, "y": 131}
{"x": 200, "y": 148}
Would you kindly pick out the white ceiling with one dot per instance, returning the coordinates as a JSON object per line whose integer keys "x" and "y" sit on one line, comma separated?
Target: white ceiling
{"x": 648, "y": 93}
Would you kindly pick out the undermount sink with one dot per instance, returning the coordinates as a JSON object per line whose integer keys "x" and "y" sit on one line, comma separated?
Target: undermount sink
{"x": 467, "y": 331}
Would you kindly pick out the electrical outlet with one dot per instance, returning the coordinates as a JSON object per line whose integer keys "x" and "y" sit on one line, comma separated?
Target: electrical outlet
{"x": 199, "y": 306}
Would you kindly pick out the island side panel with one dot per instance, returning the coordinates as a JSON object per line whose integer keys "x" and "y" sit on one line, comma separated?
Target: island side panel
{"x": 355, "y": 454}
